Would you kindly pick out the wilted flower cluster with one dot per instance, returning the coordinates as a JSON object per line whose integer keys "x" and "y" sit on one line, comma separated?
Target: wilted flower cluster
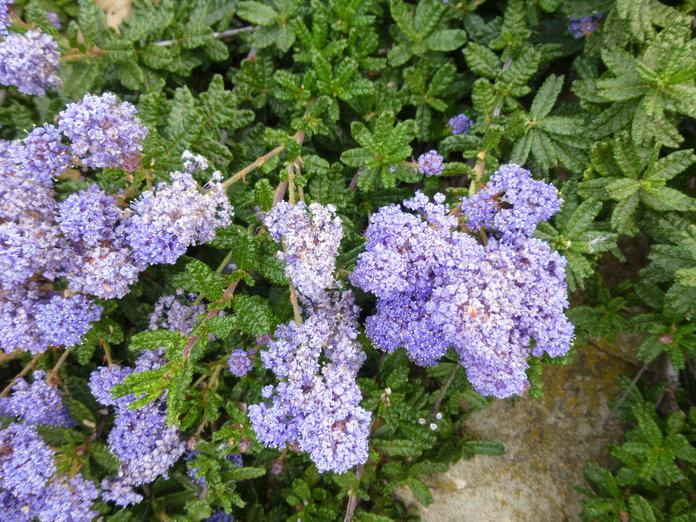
{"x": 310, "y": 236}
{"x": 438, "y": 287}
{"x": 98, "y": 246}
{"x": 585, "y": 26}
{"x": 28, "y": 61}
{"x": 140, "y": 438}
{"x": 30, "y": 488}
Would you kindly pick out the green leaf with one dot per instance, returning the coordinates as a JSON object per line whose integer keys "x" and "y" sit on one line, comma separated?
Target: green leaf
{"x": 640, "y": 510}
{"x": 420, "y": 491}
{"x": 546, "y": 96}
{"x": 397, "y": 447}
{"x": 254, "y": 314}
{"x": 257, "y": 13}
{"x": 199, "y": 278}
{"x": 446, "y": 40}
{"x": 482, "y": 60}
{"x": 153, "y": 339}
{"x": 245, "y": 473}
{"x": 102, "y": 455}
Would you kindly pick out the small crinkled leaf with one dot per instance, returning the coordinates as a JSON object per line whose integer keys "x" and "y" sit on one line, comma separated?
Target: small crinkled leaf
{"x": 153, "y": 339}
{"x": 199, "y": 278}
{"x": 254, "y": 314}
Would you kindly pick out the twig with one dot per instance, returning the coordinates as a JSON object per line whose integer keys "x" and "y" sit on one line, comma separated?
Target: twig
{"x": 60, "y": 362}
{"x": 480, "y": 167}
{"x": 107, "y": 352}
{"x": 220, "y": 36}
{"x": 29, "y": 367}
{"x": 353, "y": 500}
{"x": 299, "y": 136}
{"x": 443, "y": 391}
{"x": 295, "y": 306}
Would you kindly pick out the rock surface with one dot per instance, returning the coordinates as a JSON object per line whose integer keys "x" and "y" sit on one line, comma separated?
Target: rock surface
{"x": 547, "y": 442}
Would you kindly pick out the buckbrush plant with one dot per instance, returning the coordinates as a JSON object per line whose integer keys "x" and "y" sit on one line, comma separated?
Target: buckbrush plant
{"x": 261, "y": 259}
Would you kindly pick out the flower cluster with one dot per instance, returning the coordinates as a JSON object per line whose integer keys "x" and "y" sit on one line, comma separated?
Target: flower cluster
{"x": 438, "y": 287}
{"x": 310, "y": 235}
{"x": 36, "y": 403}
{"x": 164, "y": 222}
{"x": 511, "y": 203}
{"x": 88, "y": 238}
{"x": 30, "y": 488}
{"x": 29, "y": 61}
{"x": 5, "y": 18}
{"x": 172, "y": 314}
{"x": 460, "y": 124}
{"x": 103, "y": 132}
{"x": 240, "y": 362}
{"x": 316, "y": 406}
{"x": 431, "y": 163}
{"x": 585, "y": 26}
{"x": 140, "y": 438}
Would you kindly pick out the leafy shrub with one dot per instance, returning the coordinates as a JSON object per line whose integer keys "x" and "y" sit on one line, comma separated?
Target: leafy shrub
{"x": 152, "y": 267}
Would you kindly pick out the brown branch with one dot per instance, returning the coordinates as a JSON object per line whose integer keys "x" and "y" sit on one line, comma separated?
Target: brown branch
{"x": 443, "y": 391}
{"x": 353, "y": 500}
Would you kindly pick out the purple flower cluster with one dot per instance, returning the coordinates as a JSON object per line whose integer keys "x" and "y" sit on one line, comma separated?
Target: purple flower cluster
{"x": 310, "y": 235}
{"x": 103, "y": 132}
{"x": 64, "y": 321}
{"x": 172, "y": 314}
{"x": 460, "y": 124}
{"x": 29, "y": 61}
{"x": 585, "y": 26}
{"x": 240, "y": 362}
{"x": 99, "y": 248}
{"x": 29, "y": 485}
{"x": 316, "y": 406}
{"x": 431, "y": 163}
{"x": 511, "y": 203}
{"x": 438, "y": 287}
{"x": 5, "y": 18}
{"x": 36, "y": 403}
{"x": 45, "y": 156}
{"x": 140, "y": 438}
{"x": 166, "y": 221}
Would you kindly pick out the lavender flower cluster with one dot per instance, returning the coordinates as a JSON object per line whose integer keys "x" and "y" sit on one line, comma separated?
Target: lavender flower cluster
{"x": 36, "y": 403}
{"x": 30, "y": 487}
{"x": 89, "y": 239}
{"x": 5, "y": 18}
{"x": 28, "y": 61}
{"x": 439, "y": 287}
{"x": 316, "y": 405}
{"x": 310, "y": 235}
{"x": 460, "y": 124}
{"x": 585, "y": 26}
{"x": 140, "y": 438}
